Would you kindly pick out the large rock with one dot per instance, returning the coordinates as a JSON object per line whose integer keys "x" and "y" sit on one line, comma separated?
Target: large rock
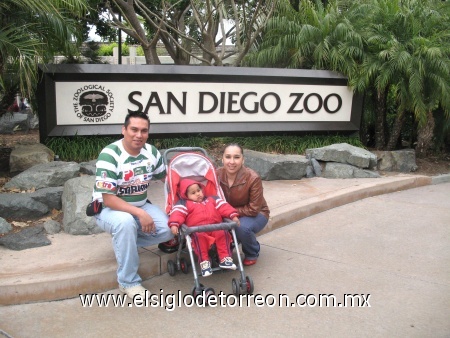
{"x": 27, "y": 238}
{"x": 11, "y": 121}
{"x": 76, "y": 196}
{"x": 398, "y": 160}
{"x": 21, "y": 207}
{"x": 52, "y": 174}
{"x": 24, "y": 156}
{"x": 344, "y": 153}
{"x": 276, "y": 167}
{"x": 340, "y": 170}
{"x": 88, "y": 168}
{"x": 51, "y": 197}
{"x": 30, "y": 205}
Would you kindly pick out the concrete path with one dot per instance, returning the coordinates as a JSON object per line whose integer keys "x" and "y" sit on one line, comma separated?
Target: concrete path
{"x": 74, "y": 265}
{"x": 391, "y": 250}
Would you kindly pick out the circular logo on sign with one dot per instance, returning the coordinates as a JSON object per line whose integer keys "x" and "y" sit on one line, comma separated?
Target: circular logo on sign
{"x": 92, "y": 103}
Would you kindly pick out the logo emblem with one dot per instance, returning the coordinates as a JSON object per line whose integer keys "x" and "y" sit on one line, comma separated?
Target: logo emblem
{"x": 128, "y": 174}
{"x": 93, "y": 103}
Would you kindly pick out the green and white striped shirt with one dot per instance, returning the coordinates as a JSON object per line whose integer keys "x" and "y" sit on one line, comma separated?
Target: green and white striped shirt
{"x": 126, "y": 176}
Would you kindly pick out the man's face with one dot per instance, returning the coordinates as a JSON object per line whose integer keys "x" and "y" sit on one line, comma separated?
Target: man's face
{"x": 135, "y": 135}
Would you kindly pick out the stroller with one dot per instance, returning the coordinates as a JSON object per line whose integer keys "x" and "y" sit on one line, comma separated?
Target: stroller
{"x": 193, "y": 163}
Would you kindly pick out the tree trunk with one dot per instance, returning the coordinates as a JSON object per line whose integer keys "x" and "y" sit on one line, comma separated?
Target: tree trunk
{"x": 151, "y": 56}
{"x": 380, "y": 123}
{"x": 425, "y": 136}
{"x": 396, "y": 130}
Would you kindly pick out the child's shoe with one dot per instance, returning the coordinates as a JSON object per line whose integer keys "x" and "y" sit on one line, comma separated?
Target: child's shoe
{"x": 206, "y": 268}
{"x": 227, "y": 263}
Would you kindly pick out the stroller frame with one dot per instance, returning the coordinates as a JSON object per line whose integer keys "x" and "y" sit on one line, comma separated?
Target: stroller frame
{"x": 245, "y": 283}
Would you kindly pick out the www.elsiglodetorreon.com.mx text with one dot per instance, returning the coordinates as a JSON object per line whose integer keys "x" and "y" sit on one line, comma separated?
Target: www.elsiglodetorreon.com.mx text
{"x": 171, "y": 301}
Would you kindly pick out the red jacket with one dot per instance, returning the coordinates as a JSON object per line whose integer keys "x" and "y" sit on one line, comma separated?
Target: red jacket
{"x": 210, "y": 211}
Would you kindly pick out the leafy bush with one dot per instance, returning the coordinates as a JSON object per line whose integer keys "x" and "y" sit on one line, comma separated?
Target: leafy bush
{"x": 86, "y": 148}
{"x": 78, "y": 148}
{"x": 107, "y": 49}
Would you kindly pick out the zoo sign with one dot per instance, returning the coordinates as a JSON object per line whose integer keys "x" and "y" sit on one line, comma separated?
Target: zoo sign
{"x": 94, "y": 99}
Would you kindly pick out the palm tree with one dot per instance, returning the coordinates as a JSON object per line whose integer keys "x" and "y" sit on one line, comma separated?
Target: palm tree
{"x": 374, "y": 74}
{"x": 396, "y": 48}
{"x": 31, "y": 32}
{"x": 407, "y": 55}
{"x": 314, "y": 37}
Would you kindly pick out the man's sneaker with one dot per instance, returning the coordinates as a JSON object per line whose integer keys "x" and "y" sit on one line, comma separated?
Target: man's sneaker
{"x": 206, "y": 268}
{"x": 227, "y": 263}
{"x": 135, "y": 290}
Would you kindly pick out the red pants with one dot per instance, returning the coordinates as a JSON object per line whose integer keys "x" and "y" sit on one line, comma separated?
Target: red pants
{"x": 202, "y": 241}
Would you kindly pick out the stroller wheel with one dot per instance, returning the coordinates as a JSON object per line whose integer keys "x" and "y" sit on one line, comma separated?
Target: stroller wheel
{"x": 235, "y": 286}
{"x": 171, "y": 268}
{"x": 249, "y": 284}
{"x": 184, "y": 266}
{"x": 208, "y": 293}
{"x": 196, "y": 292}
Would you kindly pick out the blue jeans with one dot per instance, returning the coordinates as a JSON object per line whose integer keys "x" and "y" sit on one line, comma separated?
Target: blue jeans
{"x": 127, "y": 236}
{"x": 246, "y": 234}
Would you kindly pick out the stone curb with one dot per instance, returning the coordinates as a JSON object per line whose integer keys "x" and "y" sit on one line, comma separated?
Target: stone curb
{"x": 71, "y": 280}
{"x": 445, "y": 178}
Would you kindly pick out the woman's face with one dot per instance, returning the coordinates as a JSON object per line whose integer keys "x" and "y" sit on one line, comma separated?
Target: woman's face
{"x": 232, "y": 159}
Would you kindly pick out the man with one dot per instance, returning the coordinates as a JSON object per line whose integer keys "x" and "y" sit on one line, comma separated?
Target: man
{"x": 123, "y": 173}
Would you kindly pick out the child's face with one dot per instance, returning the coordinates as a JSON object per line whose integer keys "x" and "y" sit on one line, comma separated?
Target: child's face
{"x": 194, "y": 193}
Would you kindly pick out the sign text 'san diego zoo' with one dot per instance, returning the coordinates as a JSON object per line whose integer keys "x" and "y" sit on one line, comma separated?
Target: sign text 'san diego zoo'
{"x": 94, "y": 99}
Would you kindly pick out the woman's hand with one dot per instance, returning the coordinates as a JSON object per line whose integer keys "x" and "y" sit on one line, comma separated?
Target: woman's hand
{"x": 236, "y": 219}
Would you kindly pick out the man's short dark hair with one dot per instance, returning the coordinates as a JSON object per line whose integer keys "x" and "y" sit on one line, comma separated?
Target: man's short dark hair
{"x": 137, "y": 114}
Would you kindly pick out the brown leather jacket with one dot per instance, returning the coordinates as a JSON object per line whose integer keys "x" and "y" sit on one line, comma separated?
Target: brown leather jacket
{"x": 246, "y": 193}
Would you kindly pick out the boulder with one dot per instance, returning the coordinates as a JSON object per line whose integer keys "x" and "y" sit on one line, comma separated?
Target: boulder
{"x": 52, "y": 174}
{"x": 11, "y": 121}
{"x": 31, "y": 237}
{"x": 51, "y": 197}
{"x": 21, "y": 206}
{"x": 76, "y": 196}
{"x": 340, "y": 170}
{"x": 52, "y": 227}
{"x": 344, "y": 153}
{"x": 276, "y": 167}
{"x": 317, "y": 168}
{"x": 398, "y": 160}
{"x": 88, "y": 168}
{"x": 24, "y": 156}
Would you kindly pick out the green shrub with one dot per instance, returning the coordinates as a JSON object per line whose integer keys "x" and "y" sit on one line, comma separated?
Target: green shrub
{"x": 86, "y": 148}
{"x": 107, "y": 50}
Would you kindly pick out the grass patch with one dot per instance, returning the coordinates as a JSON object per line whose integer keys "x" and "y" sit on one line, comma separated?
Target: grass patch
{"x": 86, "y": 148}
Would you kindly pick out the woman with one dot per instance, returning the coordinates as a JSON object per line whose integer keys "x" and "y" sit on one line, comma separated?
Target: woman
{"x": 243, "y": 189}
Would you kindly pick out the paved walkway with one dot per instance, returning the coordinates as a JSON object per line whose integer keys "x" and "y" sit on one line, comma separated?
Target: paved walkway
{"x": 390, "y": 249}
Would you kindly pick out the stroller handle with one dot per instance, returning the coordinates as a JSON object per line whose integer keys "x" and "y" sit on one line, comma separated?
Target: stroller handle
{"x": 208, "y": 227}
{"x": 181, "y": 150}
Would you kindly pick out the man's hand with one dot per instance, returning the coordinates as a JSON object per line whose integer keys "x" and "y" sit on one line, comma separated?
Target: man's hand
{"x": 116, "y": 203}
{"x": 146, "y": 221}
